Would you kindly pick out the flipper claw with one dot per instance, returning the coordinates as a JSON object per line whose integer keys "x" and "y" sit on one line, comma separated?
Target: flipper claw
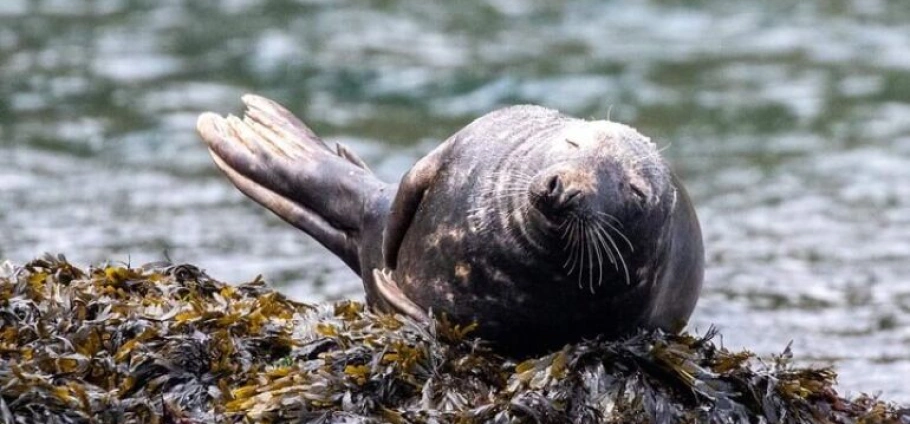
{"x": 393, "y": 295}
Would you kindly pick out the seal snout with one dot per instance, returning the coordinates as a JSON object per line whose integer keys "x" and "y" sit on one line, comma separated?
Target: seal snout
{"x": 554, "y": 193}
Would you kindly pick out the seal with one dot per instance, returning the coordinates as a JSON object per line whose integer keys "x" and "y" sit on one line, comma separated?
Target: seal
{"x": 542, "y": 228}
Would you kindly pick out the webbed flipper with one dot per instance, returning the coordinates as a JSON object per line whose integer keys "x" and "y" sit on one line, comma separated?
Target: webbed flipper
{"x": 277, "y": 161}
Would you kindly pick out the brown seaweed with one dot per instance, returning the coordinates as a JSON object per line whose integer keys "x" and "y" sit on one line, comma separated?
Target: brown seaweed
{"x": 167, "y": 344}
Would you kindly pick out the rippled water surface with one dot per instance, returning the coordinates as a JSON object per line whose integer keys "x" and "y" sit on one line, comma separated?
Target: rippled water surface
{"x": 789, "y": 123}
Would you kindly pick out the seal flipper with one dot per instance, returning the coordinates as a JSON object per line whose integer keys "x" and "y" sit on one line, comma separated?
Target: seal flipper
{"x": 390, "y": 292}
{"x": 277, "y": 161}
{"x": 286, "y": 209}
{"x": 410, "y": 192}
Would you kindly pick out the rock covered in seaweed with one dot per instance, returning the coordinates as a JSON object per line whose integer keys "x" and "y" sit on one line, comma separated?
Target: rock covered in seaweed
{"x": 167, "y": 344}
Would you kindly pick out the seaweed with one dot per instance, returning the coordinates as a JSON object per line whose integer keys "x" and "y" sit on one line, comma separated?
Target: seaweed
{"x": 167, "y": 344}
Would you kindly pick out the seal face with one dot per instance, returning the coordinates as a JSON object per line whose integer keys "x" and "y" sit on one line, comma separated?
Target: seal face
{"x": 541, "y": 228}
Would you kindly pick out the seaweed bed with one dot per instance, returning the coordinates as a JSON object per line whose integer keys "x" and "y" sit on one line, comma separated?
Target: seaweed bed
{"x": 167, "y": 344}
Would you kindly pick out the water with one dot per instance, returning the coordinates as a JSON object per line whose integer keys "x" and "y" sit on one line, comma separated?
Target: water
{"x": 788, "y": 122}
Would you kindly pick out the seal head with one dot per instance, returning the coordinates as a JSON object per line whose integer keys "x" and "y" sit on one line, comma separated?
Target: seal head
{"x": 545, "y": 229}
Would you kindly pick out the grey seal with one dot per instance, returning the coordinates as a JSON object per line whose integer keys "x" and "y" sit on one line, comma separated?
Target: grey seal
{"x": 542, "y": 228}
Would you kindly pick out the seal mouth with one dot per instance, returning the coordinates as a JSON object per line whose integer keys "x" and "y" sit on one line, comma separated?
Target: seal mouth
{"x": 552, "y": 197}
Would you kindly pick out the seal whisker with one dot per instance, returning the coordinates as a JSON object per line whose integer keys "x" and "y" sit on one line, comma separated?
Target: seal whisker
{"x": 509, "y": 217}
{"x": 571, "y": 245}
{"x": 575, "y": 255}
{"x": 619, "y": 253}
{"x": 495, "y": 197}
{"x": 637, "y": 160}
{"x": 501, "y": 189}
{"x": 565, "y": 227}
{"x": 602, "y": 236}
{"x": 509, "y": 184}
{"x": 610, "y": 217}
{"x": 512, "y": 184}
{"x": 511, "y": 180}
{"x": 651, "y": 154}
{"x": 507, "y": 191}
{"x": 566, "y": 238}
{"x": 512, "y": 225}
{"x": 505, "y": 195}
{"x": 503, "y": 192}
{"x": 515, "y": 172}
{"x": 494, "y": 184}
{"x": 600, "y": 264}
{"x": 581, "y": 257}
{"x": 631, "y": 247}
{"x": 591, "y": 250}
{"x": 511, "y": 177}
{"x": 591, "y": 247}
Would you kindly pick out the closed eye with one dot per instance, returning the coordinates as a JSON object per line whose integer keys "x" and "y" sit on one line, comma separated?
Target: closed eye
{"x": 572, "y": 143}
{"x": 638, "y": 193}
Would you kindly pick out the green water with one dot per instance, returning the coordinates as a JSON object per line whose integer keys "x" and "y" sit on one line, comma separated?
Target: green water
{"x": 788, "y": 122}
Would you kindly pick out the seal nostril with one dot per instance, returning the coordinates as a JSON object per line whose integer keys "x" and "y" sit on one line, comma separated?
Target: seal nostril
{"x": 554, "y": 186}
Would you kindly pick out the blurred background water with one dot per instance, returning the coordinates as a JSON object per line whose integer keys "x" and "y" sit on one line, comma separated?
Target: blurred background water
{"x": 788, "y": 121}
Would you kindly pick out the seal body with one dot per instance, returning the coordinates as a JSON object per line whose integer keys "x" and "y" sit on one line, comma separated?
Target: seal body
{"x": 542, "y": 228}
